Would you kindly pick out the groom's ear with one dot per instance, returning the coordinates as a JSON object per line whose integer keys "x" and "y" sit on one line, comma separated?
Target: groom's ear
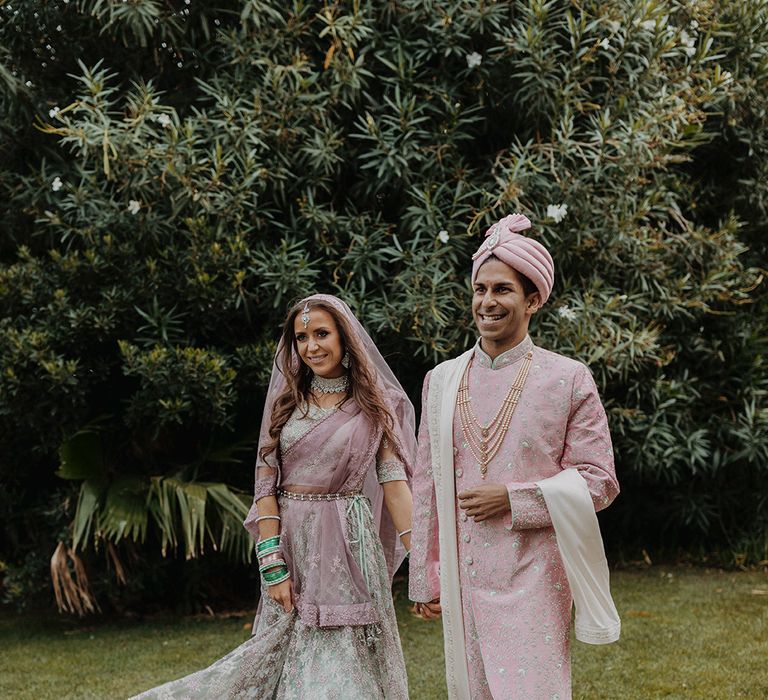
{"x": 533, "y": 303}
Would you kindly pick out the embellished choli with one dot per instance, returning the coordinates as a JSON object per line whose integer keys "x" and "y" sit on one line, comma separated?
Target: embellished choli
{"x": 389, "y": 467}
{"x": 329, "y": 451}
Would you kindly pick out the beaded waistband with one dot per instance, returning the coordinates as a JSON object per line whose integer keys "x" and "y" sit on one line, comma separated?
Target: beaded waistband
{"x": 317, "y": 496}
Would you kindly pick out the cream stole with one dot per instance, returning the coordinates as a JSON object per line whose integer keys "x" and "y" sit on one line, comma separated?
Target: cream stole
{"x": 441, "y": 404}
{"x": 573, "y": 518}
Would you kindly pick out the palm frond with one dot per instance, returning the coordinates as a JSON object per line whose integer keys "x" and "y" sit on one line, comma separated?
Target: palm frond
{"x": 87, "y": 508}
{"x": 71, "y": 587}
{"x": 124, "y": 513}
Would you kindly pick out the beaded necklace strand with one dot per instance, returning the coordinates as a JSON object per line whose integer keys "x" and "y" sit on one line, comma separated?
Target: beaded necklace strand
{"x": 485, "y": 440}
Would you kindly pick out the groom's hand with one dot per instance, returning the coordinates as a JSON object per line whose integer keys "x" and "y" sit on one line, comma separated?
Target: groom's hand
{"x": 484, "y": 502}
{"x": 429, "y": 611}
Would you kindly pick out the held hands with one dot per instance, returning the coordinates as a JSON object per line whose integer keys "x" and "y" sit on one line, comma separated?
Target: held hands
{"x": 282, "y": 593}
{"x": 480, "y": 503}
{"x": 485, "y": 502}
{"x": 428, "y": 611}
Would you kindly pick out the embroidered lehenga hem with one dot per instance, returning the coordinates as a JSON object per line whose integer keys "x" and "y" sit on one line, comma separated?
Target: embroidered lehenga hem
{"x": 286, "y": 659}
{"x": 335, "y": 615}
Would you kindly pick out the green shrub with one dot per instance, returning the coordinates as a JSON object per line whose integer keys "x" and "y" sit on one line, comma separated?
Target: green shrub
{"x": 176, "y": 175}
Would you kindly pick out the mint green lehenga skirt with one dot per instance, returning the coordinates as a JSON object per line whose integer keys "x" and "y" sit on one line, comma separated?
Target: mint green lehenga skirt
{"x": 288, "y": 660}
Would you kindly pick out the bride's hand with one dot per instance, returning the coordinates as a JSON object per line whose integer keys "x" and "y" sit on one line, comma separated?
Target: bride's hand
{"x": 282, "y": 593}
{"x": 429, "y": 611}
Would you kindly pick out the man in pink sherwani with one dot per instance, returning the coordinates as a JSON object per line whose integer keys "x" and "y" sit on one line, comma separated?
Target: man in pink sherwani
{"x": 514, "y": 459}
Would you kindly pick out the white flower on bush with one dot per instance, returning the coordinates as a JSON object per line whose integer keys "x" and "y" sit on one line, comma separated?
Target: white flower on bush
{"x": 649, "y": 25}
{"x": 474, "y": 59}
{"x": 688, "y": 43}
{"x": 567, "y": 312}
{"x": 57, "y": 184}
{"x": 725, "y": 77}
{"x": 134, "y": 206}
{"x": 605, "y": 43}
{"x": 53, "y": 112}
{"x": 443, "y": 236}
{"x": 557, "y": 212}
{"x": 163, "y": 120}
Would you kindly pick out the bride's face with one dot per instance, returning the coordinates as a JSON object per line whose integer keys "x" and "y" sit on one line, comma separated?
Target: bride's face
{"x": 319, "y": 344}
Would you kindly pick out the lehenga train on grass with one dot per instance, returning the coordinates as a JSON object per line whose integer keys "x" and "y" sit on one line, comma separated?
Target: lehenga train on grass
{"x": 331, "y": 516}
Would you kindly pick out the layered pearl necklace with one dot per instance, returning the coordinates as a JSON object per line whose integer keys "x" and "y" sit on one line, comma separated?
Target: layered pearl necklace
{"x": 485, "y": 440}
{"x": 334, "y": 385}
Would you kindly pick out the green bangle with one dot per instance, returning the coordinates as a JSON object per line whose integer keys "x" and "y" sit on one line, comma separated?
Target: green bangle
{"x": 269, "y": 550}
{"x": 266, "y": 544}
{"x": 271, "y": 565}
{"x": 272, "y": 576}
{"x": 283, "y": 577}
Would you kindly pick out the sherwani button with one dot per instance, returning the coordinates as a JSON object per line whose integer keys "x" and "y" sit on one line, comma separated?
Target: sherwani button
{"x": 459, "y": 473}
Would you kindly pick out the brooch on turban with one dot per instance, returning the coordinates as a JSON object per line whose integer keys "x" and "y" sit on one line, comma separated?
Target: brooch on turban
{"x": 526, "y": 255}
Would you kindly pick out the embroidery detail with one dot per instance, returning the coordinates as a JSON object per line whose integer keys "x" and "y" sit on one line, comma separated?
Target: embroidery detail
{"x": 506, "y": 358}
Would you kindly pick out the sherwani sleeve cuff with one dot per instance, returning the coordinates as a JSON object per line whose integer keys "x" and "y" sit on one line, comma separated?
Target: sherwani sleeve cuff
{"x": 528, "y": 509}
{"x": 424, "y": 584}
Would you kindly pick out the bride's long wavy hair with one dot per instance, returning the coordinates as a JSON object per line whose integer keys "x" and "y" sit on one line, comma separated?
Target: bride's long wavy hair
{"x": 362, "y": 383}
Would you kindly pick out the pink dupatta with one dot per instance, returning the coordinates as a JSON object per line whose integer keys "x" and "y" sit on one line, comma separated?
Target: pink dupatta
{"x": 337, "y": 455}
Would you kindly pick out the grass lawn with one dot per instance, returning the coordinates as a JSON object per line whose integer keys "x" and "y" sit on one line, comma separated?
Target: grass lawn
{"x": 687, "y": 633}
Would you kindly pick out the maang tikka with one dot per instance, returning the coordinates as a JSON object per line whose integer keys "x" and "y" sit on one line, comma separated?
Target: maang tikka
{"x": 305, "y": 315}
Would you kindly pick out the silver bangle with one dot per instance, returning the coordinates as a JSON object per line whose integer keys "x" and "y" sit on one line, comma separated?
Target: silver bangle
{"x": 267, "y": 517}
{"x": 271, "y": 565}
{"x": 404, "y": 532}
{"x": 267, "y": 552}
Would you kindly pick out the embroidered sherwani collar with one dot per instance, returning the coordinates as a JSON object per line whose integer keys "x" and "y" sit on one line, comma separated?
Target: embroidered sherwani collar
{"x": 508, "y": 357}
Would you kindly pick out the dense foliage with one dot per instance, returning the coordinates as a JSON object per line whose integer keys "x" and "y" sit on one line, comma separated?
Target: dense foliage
{"x": 175, "y": 173}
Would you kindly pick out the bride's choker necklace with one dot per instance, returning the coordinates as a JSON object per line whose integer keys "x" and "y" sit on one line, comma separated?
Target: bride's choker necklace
{"x": 336, "y": 385}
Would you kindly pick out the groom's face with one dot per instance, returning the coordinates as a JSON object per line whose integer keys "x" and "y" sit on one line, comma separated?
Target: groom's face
{"x": 500, "y": 307}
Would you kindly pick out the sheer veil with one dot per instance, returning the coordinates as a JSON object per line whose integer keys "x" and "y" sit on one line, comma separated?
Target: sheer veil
{"x": 396, "y": 401}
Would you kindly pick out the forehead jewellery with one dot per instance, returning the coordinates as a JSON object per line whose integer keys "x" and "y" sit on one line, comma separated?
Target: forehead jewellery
{"x": 305, "y": 315}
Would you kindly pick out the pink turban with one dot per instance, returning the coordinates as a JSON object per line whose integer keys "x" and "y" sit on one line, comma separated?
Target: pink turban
{"x": 528, "y": 257}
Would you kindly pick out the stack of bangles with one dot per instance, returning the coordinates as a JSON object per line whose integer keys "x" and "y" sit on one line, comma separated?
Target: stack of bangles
{"x": 272, "y": 566}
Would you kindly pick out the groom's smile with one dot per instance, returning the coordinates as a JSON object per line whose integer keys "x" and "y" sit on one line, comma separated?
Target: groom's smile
{"x": 500, "y": 307}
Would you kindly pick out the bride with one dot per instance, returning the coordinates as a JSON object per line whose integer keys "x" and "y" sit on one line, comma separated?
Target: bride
{"x": 331, "y": 516}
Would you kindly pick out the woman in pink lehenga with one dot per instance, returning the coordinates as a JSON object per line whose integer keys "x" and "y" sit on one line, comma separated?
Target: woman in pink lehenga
{"x": 331, "y": 515}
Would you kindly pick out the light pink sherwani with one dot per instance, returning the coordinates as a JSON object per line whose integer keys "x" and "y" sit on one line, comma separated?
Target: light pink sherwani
{"x": 515, "y": 598}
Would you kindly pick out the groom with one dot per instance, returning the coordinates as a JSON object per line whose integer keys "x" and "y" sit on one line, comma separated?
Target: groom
{"x": 514, "y": 459}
